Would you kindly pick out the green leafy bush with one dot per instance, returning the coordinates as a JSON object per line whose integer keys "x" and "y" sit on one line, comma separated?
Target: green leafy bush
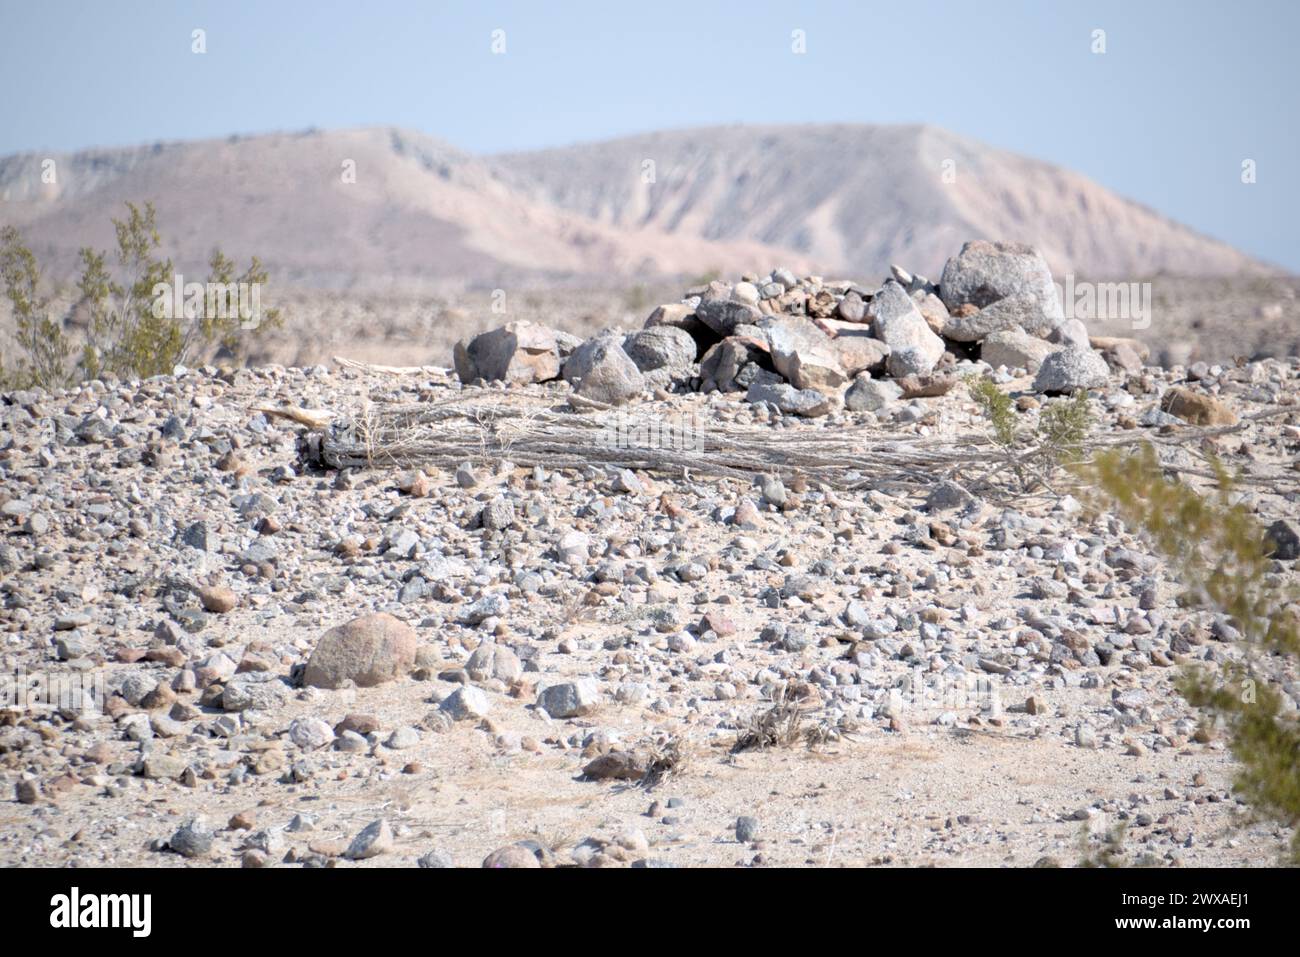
{"x": 1034, "y": 455}
{"x": 39, "y": 336}
{"x": 128, "y": 335}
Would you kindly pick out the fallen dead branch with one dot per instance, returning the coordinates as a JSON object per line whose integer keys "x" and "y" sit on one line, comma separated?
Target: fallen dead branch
{"x": 533, "y": 430}
{"x": 390, "y": 370}
{"x": 538, "y": 429}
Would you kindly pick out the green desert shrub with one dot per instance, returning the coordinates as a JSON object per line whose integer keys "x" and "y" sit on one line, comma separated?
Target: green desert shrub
{"x": 45, "y": 348}
{"x": 131, "y": 332}
{"x": 1034, "y": 455}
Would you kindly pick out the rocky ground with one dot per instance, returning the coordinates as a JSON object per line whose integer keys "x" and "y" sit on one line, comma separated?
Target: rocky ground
{"x": 604, "y": 667}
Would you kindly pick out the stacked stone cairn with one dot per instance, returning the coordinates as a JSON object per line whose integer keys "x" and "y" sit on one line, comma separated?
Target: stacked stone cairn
{"x": 811, "y": 346}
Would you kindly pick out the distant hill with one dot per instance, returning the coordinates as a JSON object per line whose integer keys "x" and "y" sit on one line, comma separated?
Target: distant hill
{"x": 857, "y": 198}
{"x": 420, "y": 214}
{"x": 842, "y": 200}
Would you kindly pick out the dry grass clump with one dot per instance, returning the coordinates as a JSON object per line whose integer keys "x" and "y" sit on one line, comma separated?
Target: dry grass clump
{"x": 776, "y": 727}
{"x": 664, "y": 759}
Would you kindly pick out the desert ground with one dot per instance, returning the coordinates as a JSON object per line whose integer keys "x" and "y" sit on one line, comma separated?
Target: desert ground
{"x": 565, "y": 658}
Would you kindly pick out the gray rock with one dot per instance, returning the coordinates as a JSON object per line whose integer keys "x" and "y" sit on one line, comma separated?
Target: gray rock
{"x": 573, "y": 547}
{"x": 661, "y": 347}
{"x": 804, "y": 354}
{"x": 402, "y": 738}
{"x": 569, "y": 699}
{"x": 369, "y": 651}
{"x": 722, "y": 315}
{"x": 351, "y": 743}
{"x": 489, "y": 606}
{"x": 310, "y": 733}
{"x": 986, "y": 272}
{"x": 599, "y": 369}
{"x": 871, "y": 395}
{"x": 1023, "y": 311}
{"x": 466, "y": 702}
{"x": 947, "y": 496}
{"x": 931, "y": 308}
{"x": 723, "y": 363}
{"x": 194, "y": 838}
{"x": 374, "y": 839}
{"x": 196, "y": 536}
{"x": 491, "y": 660}
{"x": 900, "y": 325}
{"x": 497, "y": 514}
{"x": 682, "y": 316}
{"x": 1070, "y": 332}
{"x": 747, "y": 829}
{"x": 1070, "y": 369}
{"x": 791, "y": 401}
{"x": 773, "y": 490}
{"x": 909, "y": 361}
{"x": 254, "y": 691}
{"x": 158, "y": 766}
{"x": 851, "y": 308}
{"x": 466, "y": 477}
{"x": 401, "y": 543}
{"x": 860, "y": 352}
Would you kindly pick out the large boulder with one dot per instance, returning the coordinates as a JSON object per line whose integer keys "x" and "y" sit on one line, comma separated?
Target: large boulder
{"x": 804, "y": 354}
{"x": 1070, "y": 369}
{"x": 599, "y": 369}
{"x": 984, "y": 273}
{"x": 914, "y": 349}
{"x": 369, "y": 651}
{"x": 516, "y": 352}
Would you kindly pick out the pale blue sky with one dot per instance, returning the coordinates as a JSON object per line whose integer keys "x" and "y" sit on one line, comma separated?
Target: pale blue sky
{"x": 1184, "y": 93}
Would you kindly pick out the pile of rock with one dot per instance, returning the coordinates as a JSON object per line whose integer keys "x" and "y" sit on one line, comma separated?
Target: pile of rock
{"x": 809, "y": 346}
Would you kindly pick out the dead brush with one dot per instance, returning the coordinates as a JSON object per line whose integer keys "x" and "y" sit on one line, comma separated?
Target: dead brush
{"x": 777, "y": 727}
{"x": 663, "y": 759}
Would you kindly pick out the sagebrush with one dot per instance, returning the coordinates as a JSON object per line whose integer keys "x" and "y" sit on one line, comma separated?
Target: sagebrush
{"x": 126, "y": 334}
{"x": 1034, "y": 455}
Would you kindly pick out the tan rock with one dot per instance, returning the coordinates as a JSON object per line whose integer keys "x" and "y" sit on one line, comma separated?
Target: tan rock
{"x": 1198, "y": 408}
{"x": 369, "y": 650}
{"x": 218, "y": 599}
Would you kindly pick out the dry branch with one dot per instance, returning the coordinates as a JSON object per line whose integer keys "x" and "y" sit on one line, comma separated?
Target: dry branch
{"x": 534, "y": 428}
